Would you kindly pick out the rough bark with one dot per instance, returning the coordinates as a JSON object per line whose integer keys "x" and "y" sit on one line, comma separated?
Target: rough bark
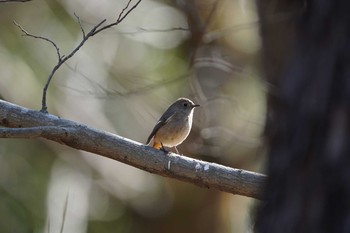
{"x": 308, "y": 130}
{"x": 25, "y": 123}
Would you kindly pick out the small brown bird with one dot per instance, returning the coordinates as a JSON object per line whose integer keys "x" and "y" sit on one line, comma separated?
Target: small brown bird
{"x": 174, "y": 125}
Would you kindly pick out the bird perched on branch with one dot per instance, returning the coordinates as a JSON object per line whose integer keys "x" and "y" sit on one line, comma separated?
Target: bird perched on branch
{"x": 174, "y": 125}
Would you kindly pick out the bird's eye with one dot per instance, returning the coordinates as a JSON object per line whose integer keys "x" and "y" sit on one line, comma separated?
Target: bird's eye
{"x": 185, "y": 104}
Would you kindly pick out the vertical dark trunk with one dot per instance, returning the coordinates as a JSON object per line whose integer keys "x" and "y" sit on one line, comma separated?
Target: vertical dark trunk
{"x": 307, "y": 61}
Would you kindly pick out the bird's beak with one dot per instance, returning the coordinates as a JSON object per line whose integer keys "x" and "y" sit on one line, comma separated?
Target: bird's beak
{"x": 195, "y": 105}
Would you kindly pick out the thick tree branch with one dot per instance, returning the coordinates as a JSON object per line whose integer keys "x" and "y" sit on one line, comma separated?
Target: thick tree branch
{"x": 25, "y": 123}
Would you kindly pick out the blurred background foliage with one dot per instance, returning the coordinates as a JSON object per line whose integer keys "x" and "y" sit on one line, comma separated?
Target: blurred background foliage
{"x": 121, "y": 81}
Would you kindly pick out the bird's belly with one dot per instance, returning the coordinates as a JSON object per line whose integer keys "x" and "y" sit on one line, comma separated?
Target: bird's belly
{"x": 171, "y": 136}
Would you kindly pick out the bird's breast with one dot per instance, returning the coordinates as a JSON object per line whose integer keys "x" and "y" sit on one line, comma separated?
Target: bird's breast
{"x": 175, "y": 131}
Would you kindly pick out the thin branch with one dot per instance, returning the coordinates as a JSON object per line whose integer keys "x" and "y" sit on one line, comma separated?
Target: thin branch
{"x": 121, "y": 17}
{"x": 103, "y": 92}
{"x": 64, "y": 214}
{"x": 44, "y": 106}
{"x": 42, "y": 38}
{"x": 62, "y": 59}
{"x": 82, "y": 137}
{"x": 1, "y": 1}
{"x": 48, "y": 225}
{"x": 211, "y": 15}
{"x": 124, "y": 9}
{"x": 146, "y": 30}
{"x": 80, "y": 24}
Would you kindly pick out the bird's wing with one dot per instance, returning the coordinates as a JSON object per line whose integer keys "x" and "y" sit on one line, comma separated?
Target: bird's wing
{"x": 162, "y": 121}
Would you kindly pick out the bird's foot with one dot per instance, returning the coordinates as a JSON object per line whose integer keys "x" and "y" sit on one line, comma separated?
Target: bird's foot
{"x": 163, "y": 148}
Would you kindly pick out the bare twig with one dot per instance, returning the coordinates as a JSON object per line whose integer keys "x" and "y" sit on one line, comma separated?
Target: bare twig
{"x": 62, "y": 59}
{"x": 121, "y": 16}
{"x": 146, "y": 30}
{"x": 48, "y": 225}
{"x": 82, "y": 137}
{"x": 64, "y": 214}
{"x": 101, "y": 91}
{"x": 42, "y": 38}
{"x": 1, "y": 1}
{"x": 80, "y": 24}
{"x": 211, "y": 15}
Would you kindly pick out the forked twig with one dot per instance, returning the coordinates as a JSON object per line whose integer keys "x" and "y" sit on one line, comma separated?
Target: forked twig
{"x": 62, "y": 58}
{"x": 80, "y": 24}
{"x": 42, "y": 38}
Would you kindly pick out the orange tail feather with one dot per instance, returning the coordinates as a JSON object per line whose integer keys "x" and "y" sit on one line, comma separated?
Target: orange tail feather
{"x": 157, "y": 145}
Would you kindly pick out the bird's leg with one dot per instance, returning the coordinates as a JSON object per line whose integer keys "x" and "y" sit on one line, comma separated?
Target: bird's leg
{"x": 177, "y": 152}
{"x": 163, "y": 149}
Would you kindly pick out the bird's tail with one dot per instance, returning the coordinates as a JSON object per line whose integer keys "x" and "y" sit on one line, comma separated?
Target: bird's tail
{"x": 157, "y": 145}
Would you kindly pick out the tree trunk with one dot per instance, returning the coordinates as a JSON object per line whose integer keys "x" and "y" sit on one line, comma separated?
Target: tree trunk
{"x": 306, "y": 60}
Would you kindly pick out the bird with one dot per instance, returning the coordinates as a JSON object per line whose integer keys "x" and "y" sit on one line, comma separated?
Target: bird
{"x": 174, "y": 125}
